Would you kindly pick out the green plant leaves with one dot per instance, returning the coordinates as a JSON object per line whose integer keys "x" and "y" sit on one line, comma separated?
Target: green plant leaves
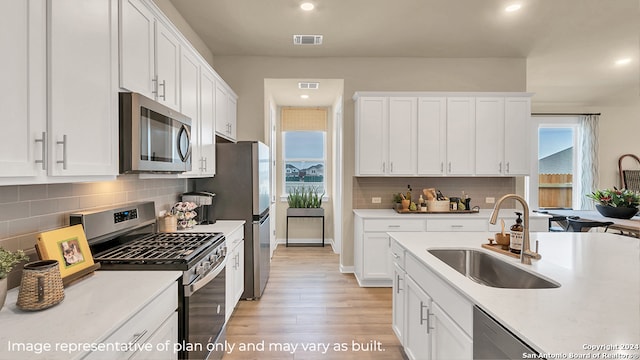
{"x": 305, "y": 198}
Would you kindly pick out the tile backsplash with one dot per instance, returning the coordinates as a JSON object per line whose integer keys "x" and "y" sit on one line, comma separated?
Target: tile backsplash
{"x": 26, "y": 210}
{"x": 478, "y": 188}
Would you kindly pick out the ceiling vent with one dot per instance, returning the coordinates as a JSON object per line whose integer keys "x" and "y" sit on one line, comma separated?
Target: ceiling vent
{"x": 308, "y": 85}
{"x": 307, "y": 39}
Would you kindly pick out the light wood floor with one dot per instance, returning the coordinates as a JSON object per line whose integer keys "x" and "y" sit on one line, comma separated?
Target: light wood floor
{"x": 308, "y": 302}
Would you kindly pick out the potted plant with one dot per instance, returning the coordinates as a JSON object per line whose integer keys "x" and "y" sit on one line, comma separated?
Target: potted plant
{"x": 8, "y": 260}
{"x": 615, "y": 203}
{"x": 305, "y": 202}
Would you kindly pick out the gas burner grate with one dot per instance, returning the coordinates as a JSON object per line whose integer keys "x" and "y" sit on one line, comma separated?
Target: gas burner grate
{"x": 160, "y": 248}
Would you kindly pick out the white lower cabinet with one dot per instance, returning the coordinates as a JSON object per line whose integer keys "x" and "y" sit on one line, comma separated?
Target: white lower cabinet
{"x": 155, "y": 323}
{"x": 431, "y": 320}
{"x": 235, "y": 270}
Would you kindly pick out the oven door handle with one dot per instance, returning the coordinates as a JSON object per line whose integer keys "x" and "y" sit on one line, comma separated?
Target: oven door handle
{"x": 193, "y": 287}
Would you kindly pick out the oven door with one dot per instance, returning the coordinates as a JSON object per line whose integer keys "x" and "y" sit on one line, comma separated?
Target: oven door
{"x": 204, "y": 315}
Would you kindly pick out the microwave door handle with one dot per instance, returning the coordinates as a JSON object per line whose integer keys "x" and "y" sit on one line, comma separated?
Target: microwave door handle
{"x": 185, "y": 130}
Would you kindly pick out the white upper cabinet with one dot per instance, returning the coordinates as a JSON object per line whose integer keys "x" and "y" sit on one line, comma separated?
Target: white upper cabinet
{"x": 489, "y": 136}
{"x": 149, "y": 55}
{"x": 517, "y": 137}
{"x": 460, "y": 135}
{"x": 402, "y": 135}
{"x": 502, "y": 135}
{"x": 190, "y": 104}
{"x": 207, "y": 122}
{"x": 226, "y": 110}
{"x": 23, "y": 99}
{"x": 432, "y": 134}
{"x": 62, "y": 117}
{"x": 82, "y": 96}
{"x": 440, "y": 134}
{"x": 372, "y": 114}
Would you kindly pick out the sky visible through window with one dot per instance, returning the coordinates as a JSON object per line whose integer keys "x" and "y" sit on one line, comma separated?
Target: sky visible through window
{"x": 553, "y": 140}
{"x": 304, "y": 160}
{"x": 304, "y": 145}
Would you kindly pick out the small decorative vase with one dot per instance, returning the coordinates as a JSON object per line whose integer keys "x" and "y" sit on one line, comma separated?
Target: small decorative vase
{"x": 3, "y": 291}
{"x": 616, "y": 212}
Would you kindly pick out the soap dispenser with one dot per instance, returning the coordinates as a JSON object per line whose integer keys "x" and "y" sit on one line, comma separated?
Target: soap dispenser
{"x": 516, "y": 235}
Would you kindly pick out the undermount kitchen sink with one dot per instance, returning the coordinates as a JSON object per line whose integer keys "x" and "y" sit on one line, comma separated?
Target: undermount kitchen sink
{"x": 490, "y": 271}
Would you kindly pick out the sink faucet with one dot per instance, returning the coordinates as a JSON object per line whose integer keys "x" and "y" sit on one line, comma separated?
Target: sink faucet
{"x": 526, "y": 254}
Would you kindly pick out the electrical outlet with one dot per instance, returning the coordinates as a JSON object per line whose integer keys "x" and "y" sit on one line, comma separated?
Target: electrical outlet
{"x": 490, "y": 200}
{"x": 376, "y": 200}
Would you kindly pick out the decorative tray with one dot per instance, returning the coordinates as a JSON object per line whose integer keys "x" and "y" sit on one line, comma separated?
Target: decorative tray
{"x": 407, "y": 211}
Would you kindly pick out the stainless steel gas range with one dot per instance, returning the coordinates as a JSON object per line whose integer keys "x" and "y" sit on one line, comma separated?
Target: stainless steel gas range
{"x": 125, "y": 238}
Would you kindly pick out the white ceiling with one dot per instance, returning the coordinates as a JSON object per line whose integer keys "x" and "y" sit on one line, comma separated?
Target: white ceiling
{"x": 570, "y": 45}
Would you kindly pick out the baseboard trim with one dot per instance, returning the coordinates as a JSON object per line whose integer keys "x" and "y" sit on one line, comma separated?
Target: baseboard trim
{"x": 347, "y": 269}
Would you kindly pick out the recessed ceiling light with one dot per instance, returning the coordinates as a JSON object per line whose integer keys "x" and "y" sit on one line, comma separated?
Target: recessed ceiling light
{"x": 307, "y": 6}
{"x": 624, "y": 61}
{"x": 512, "y": 8}
{"x": 304, "y": 96}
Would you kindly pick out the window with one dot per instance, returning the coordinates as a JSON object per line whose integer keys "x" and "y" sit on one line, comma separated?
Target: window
{"x": 304, "y": 133}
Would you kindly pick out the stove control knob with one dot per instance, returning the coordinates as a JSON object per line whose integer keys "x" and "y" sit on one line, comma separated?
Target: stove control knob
{"x": 200, "y": 269}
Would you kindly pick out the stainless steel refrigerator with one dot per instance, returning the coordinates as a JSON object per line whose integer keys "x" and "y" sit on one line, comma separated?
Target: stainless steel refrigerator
{"x": 242, "y": 188}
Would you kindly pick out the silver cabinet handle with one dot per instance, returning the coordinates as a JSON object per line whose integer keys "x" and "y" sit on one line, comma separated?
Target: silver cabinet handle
{"x": 154, "y": 85}
{"x": 383, "y": 168}
{"x": 398, "y": 289}
{"x": 136, "y": 338}
{"x": 393, "y": 226}
{"x": 507, "y": 170}
{"x": 422, "y": 318}
{"x": 429, "y": 327}
{"x": 164, "y": 90}
{"x": 441, "y": 167}
{"x": 64, "y": 152}
{"x": 449, "y": 166}
{"x": 395, "y": 255}
{"x": 205, "y": 164}
{"x": 500, "y": 167}
{"x": 391, "y": 165}
{"x": 44, "y": 151}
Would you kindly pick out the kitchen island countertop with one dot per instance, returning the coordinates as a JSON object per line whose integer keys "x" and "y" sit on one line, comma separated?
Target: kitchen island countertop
{"x": 482, "y": 214}
{"x": 597, "y": 304}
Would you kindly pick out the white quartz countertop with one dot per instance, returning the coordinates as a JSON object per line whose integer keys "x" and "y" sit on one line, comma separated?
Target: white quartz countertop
{"x": 482, "y": 214}
{"x": 92, "y": 309}
{"x": 224, "y": 226}
{"x": 598, "y": 302}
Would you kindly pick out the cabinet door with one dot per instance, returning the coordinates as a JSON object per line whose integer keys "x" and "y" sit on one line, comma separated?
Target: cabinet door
{"x": 167, "y": 66}
{"x": 239, "y": 276}
{"x": 448, "y": 340}
{"x": 207, "y": 121}
{"x": 222, "y": 105}
{"x": 399, "y": 289}
{"x": 490, "y": 137}
{"x": 137, "y": 68}
{"x": 432, "y": 134}
{"x": 232, "y": 113}
{"x": 23, "y": 96}
{"x": 417, "y": 337}
{"x": 189, "y": 105}
{"x": 83, "y": 104}
{"x": 517, "y": 136}
{"x": 376, "y": 261}
{"x": 230, "y": 272}
{"x": 167, "y": 333}
{"x": 372, "y": 136}
{"x": 460, "y": 135}
{"x": 402, "y": 136}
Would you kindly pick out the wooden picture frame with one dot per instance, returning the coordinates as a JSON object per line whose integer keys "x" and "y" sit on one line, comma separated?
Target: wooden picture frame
{"x": 69, "y": 246}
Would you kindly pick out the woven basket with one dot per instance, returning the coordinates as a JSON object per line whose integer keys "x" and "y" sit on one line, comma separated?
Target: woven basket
{"x": 41, "y": 286}
{"x": 167, "y": 223}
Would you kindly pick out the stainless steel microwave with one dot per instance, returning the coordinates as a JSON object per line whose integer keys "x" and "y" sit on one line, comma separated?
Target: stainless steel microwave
{"x": 153, "y": 137}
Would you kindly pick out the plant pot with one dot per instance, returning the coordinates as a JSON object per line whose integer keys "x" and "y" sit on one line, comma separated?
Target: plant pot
{"x": 616, "y": 212}
{"x": 3, "y": 291}
{"x": 302, "y": 212}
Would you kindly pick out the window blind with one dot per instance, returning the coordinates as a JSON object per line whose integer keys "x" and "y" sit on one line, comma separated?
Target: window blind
{"x": 304, "y": 119}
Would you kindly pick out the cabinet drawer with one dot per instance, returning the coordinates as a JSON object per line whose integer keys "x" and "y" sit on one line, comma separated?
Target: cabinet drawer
{"x": 235, "y": 237}
{"x": 452, "y": 302}
{"x": 142, "y": 325}
{"x": 394, "y": 225}
{"x": 397, "y": 254}
{"x": 457, "y": 225}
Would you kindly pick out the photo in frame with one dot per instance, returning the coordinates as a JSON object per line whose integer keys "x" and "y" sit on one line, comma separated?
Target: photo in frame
{"x": 67, "y": 245}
